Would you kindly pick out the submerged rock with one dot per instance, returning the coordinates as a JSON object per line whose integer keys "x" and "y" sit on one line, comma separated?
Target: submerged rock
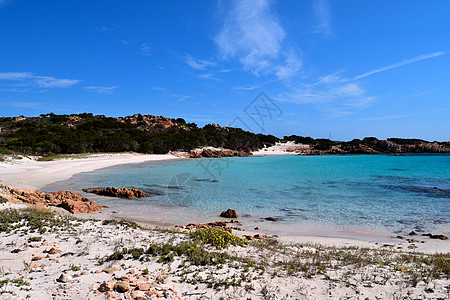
{"x": 271, "y": 219}
{"x": 229, "y": 213}
{"x": 118, "y": 192}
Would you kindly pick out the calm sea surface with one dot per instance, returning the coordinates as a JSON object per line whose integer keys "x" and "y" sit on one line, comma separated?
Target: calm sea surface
{"x": 371, "y": 193}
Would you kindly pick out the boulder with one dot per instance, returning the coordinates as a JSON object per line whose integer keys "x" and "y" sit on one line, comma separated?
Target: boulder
{"x": 71, "y": 201}
{"x": 229, "y": 213}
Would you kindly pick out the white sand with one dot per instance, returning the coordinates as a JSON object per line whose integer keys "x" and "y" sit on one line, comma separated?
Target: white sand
{"x": 278, "y": 272}
{"x": 34, "y": 174}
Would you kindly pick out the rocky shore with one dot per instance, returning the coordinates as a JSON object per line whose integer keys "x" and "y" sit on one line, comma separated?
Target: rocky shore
{"x": 375, "y": 146}
{"x": 68, "y": 200}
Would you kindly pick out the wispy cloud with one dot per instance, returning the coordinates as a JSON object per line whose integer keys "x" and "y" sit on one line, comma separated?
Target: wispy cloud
{"x": 246, "y": 88}
{"x": 198, "y": 64}
{"x": 401, "y": 64}
{"x": 331, "y": 95}
{"x": 28, "y": 79}
{"x": 3, "y": 3}
{"x": 30, "y": 105}
{"x": 404, "y": 115}
{"x": 101, "y": 90}
{"x": 145, "y": 50}
{"x": 252, "y": 34}
{"x": 322, "y": 16}
{"x": 157, "y": 88}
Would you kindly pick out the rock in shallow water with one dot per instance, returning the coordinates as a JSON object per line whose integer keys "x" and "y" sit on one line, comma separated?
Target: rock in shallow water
{"x": 118, "y": 192}
{"x": 229, "y": 213}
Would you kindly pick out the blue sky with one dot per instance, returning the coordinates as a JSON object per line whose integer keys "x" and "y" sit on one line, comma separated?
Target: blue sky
{"x": 352, "y": 68}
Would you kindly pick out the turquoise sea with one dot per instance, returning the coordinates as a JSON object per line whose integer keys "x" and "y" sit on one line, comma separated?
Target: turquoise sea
{"x": 369, "y": 193}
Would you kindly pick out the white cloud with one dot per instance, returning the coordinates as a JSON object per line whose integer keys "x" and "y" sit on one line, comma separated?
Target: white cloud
{"x": 290, "y": 66}
{"x": 252, "y": 34}
{"x": 146, "y": 50}
{"x": 46, "y": 81}
{"x": 101, "y": 90}
{"x": 15, "y": 75}
{"x": 321, "y": 10}
{"x": 28, "y": 79}
{"x": 401, "y": 64}
{"x": 198, "y": 64}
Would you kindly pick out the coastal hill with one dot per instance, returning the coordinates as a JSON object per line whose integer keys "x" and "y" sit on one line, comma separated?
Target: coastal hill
{"x": 87, "y": 133}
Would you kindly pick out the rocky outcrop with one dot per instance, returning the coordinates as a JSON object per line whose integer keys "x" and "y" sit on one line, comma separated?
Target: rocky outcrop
{"x": 211, "y": 152}
{"x": 229, "y": 213}
{"x": 118, "y": 192}
{"x": 390, "y": 146}
{"x": 70, "y": 201}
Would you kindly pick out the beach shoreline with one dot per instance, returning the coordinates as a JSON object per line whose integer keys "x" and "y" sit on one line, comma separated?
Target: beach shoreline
{"x": 32, "y": 174}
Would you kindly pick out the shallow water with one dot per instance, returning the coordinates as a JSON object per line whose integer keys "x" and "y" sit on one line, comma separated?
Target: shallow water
{"x": 370, "y": 193}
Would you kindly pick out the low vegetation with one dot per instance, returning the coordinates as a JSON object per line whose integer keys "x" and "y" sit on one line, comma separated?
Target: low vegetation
{"x": 30, "y": 221}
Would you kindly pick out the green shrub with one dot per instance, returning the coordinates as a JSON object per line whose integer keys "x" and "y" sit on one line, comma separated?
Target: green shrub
{"x": 217, "y": 237}
{"x": 4, "y": 151}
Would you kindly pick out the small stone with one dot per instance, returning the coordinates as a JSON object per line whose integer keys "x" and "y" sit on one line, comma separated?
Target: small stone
{"x": 67, "y": 292}
{"x": 98, "y": 271}
{"x": 107, "y": 286}
{"x": 134, "y": 294}
{"x": 94, "y": 287}
{"x": 271, "y": 219}
{"x": 65, "y": 278}
{"x": 37, "y": 257}
{"x": 54, "y": 250}
{"x": 143, "y": 286}
{"x": 122, "y": 287}
{"x": 161, "y": 278}
{"x": 110, "y": 295}
{"x": 133, "y": 271}
{"x": 111, "y": 270}
{"x": 412, "y": 233}
{"x": 45, "y": 243}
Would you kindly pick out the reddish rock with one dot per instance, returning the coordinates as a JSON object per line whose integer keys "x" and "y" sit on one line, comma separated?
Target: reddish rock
{"x": 271, "y": 219}
{"x": 107, "y": 286}
{"x": 71, "y": 201}
{"x": 118, "y": 192}
{"x": 143, "y": 286}
{"x": 122, "y": 287}
{"x": 207, "y": 152}
{"x": 229, "y": 213}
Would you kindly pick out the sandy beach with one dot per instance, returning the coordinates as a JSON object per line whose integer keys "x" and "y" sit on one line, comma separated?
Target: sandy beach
{"x": 105, "y": 258}
{"x": 32, "y": 174}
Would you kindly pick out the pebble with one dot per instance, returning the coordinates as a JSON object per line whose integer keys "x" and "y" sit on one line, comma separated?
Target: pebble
{"x": 65, "y": 278}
